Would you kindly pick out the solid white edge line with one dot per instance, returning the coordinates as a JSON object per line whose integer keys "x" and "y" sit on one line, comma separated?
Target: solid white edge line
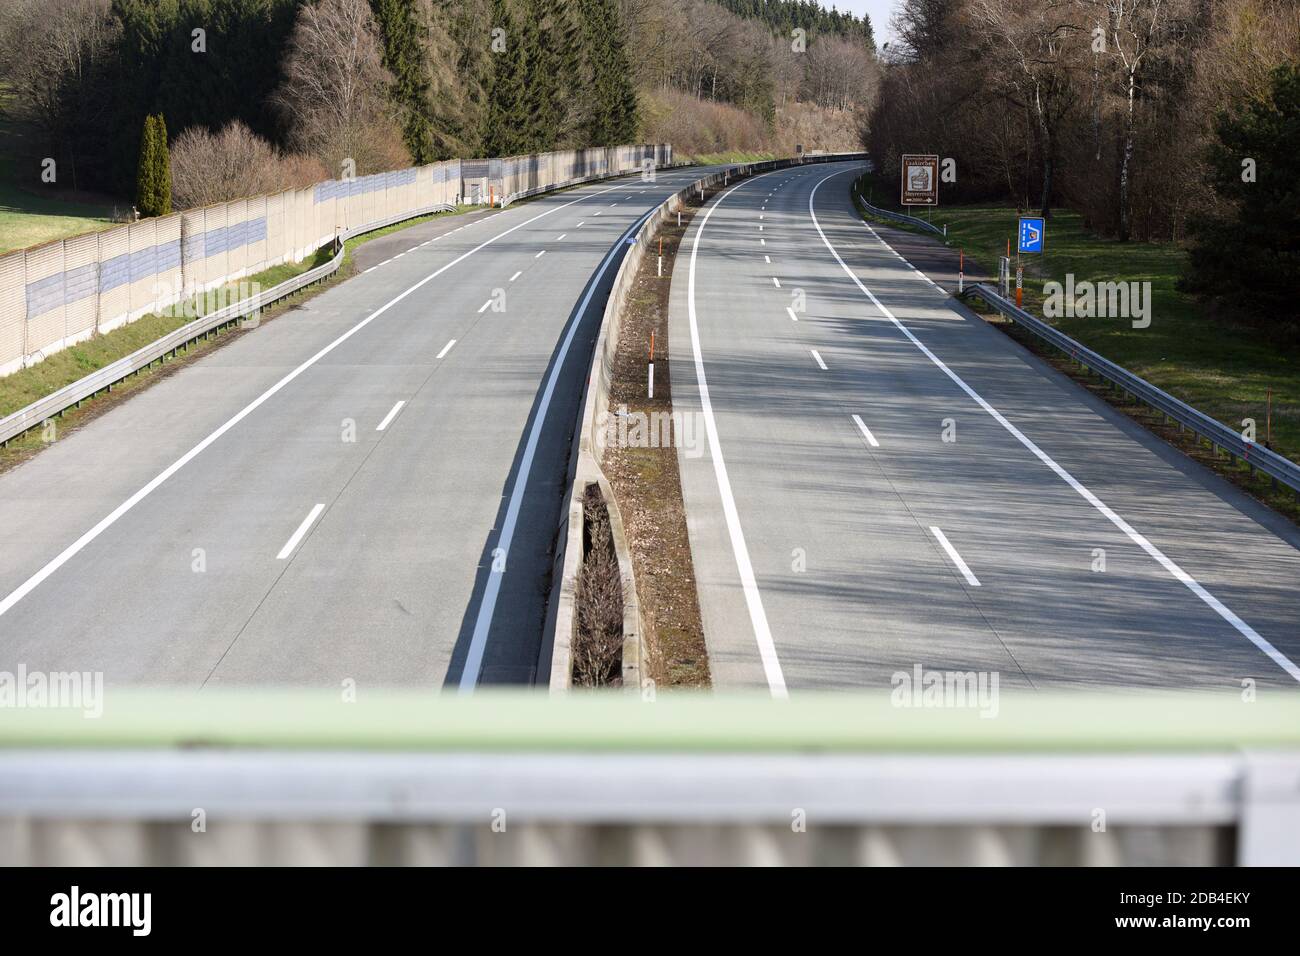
{"x": 753, "y": 600}
{"x": 956, "y": 558}
{"x": 818, "y": 357}
{"x": 1244, "y": 629}
{"x": 390, "y": 416}
{"x": 487, "y": 605}
{"x": 445, "y": 349}
{"x": 302, "y": 530}
{"x": 108, "y": 520}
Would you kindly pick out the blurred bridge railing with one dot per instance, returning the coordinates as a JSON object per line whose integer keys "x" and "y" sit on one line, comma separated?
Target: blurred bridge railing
{"x": 515, "y": 778}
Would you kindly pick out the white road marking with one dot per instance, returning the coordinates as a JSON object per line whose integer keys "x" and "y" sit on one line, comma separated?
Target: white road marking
{"x": 597, "y": 212}
{"x": 540, "y": 254}
{"x": 390, "y": 416}
{"x": 302, "y": 530}
{"x": 818, "y": 357}
{"x": 581, "y": 224}
{"x": 762, "y": 242}
{"x": 793, "y": 317}
{"x": 111, "y": 518}
{"x": 560, "y": 236}
{"x": 1244, "y": 629}
{"x": 371, "y": 269}
{"x": 776, "y": 282}
{"x": 866, "y": 432}
{"x": 753, "y": 600}
{"x": 445, "y": 349}
{"x": 761, "y": 216}
{"x": 768, "y": 260}
{"x": 487, "y": 605}
{"x": 956, "y": 558}
{"x": 516, "y": 275}
{"x": 484, "y": 307}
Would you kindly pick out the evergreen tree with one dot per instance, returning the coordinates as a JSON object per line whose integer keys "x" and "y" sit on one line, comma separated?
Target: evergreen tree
{"x": 1248, "y": 255}
{"x": 507, "y": 129}
{"x": 153, "y": 173}
{"x": 612, "y": 116}
{"x": 402, "y": 26}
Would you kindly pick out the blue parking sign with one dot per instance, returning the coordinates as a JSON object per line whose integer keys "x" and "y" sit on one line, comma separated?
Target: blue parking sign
{"x": 1032, "y": 232}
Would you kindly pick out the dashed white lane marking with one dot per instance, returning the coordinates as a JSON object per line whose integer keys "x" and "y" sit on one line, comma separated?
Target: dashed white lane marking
{"x": 390, "y": 416}
{"x": 866, "y": 432}
{"x": 72, "y": 550}
{"x": 581, "y": 224}
{"x": 776, "y": 282}
{"x": 793, "y": 317}
{"x": 302, "y": 530}
{"x": 1242, "y": 628}
{"x": 560, "y": 236}
{"x": 768, "y": 260}
{"x": 817, "y": 356}
{"x": 956, "y": 558}
{"x": 540, "y": 254}
{"x": 516, "y": 275}
{"x": 446, "y": 348}
{"x": 484, "y": 307}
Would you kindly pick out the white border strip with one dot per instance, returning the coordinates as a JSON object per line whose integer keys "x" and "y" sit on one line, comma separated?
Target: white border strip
{"x": 753, "y": 600}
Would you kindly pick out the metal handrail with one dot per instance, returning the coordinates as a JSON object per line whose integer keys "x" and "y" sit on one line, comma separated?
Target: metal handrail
{"x": 1220, "y": 435}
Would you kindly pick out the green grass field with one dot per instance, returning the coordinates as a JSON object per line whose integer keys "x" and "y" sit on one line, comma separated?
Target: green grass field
{"x": 26, "y": 217}
{"x": 1224, "y": 369}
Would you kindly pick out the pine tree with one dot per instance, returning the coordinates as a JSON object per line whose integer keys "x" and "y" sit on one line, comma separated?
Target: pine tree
{"x": 507, "y": 127}
{"x": 153, "y": 173}
{"x": 162, "y": 168}
{"x": 406, "y": 56}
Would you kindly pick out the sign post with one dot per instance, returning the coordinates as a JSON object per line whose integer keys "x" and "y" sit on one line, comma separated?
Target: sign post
{"x": 920, "y": 180}
{"x": 1033, "y": 236}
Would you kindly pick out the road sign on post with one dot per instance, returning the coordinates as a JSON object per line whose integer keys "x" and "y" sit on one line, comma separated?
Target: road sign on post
{"x": 1032, "y": 234}
{"x": 920, "y": 186}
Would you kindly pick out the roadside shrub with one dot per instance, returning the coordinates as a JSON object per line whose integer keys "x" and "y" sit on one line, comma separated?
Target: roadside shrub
{"x": 232, "y": 164}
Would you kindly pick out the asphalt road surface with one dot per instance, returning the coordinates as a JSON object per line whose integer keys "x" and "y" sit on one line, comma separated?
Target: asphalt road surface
{"x": 365, "y": 489}
{"x": 891, "y": 482}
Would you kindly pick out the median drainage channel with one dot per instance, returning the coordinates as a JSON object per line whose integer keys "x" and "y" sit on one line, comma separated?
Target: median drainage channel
{"x": 103, "y": 350}
{"x": 640, "y": 622}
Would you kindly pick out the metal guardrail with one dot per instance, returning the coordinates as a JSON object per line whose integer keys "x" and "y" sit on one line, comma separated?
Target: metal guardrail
{"x": 39, "y": 411}
{"x": 900, "y": 217}
{"x": 1219, "y": 435}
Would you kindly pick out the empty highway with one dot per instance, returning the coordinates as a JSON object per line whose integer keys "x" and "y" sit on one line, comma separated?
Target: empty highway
{"x": 365, "y": 489}
{"x": 890, "y": 481}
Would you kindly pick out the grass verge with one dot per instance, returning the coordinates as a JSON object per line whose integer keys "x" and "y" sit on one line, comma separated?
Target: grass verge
{"x": 645, "y": 477}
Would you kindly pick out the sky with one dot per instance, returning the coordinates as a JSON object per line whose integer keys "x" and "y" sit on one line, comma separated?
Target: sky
{"x": 878, "y": 10}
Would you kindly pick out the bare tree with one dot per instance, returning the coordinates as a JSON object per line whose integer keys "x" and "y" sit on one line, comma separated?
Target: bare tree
{"x": 333, "y": 96}
{"x": 1032, "y": 45}
{"x": 232, "y": 164}
{"x": 51, "y": 54}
